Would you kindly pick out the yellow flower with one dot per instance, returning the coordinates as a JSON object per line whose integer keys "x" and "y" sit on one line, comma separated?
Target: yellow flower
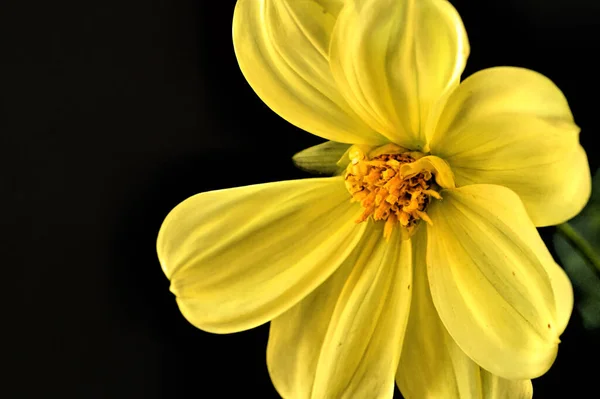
{"x": 461, "y": 298}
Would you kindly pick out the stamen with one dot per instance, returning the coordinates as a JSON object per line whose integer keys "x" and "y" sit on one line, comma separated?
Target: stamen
{"x": 425, "y": 217}
{"x": 387, "y": 195}
{"x": 433, "y": 194}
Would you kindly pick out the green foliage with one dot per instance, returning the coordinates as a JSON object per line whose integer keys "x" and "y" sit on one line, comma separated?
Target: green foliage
{"x": 578, "y": 247}
{"x": 322, "y": 159}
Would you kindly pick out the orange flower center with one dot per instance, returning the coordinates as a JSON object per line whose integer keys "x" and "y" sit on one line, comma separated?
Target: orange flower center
{"x": 388, "y": 196}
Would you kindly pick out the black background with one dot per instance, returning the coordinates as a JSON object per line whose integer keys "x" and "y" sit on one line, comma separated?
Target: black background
{"x": 113, "y": 112}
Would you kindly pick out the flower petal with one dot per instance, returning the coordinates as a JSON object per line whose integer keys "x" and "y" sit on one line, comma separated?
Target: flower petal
{"x": 363, "y": 342}
{"x": 394, "y": 59}
{"x": 487, "y": 266}
{"x": 432, "y": 365}
{"x": 332, "y": 7}
{"x": 563, "y": 294}
{"x": 494, "y": 387}
{"x": 282, "y": 49}
{"x": 437, "y": 166}
{"x": 513, "y": 127}
{"x": 346, "y": 336}
{"x": 296, "y": 336}
{"x": 237, "y": 258}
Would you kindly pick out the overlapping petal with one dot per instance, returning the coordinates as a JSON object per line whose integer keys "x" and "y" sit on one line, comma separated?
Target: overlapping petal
{"x": 282, "y": 48}
{"x": 443, "y": 174}
{"x": 494, "y": 387}
{"x": 239, "y": 257}
{"x": 344, "y": 339}
{"x": 513, "y": 127}
{"x": 488, "y": 273}
{"x": 394, "y": 60}
{"x": 432, "y": 365}
{"x": 332, "y": 7}
{"x": 561, "y": 286}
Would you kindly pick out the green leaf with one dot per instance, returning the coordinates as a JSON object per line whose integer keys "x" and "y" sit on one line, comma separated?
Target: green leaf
{"x": 577, "y": 244}
{"x": 322, "y": 159}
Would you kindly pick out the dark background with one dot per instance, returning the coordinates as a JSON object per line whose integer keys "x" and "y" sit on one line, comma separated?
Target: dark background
{"x": 113, "y": 112}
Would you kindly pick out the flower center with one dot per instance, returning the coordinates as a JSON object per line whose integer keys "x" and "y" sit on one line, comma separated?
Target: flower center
{"x": 386, "y": 194}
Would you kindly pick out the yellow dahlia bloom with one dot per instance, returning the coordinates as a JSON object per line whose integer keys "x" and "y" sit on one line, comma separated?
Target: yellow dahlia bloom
{"x": 420, "y": 263}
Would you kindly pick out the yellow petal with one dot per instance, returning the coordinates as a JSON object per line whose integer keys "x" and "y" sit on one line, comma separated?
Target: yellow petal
{"x": 394, "y": 59}
{"x": 239, "y": 257}
{"x": 487, "y": 267}
{"x": 332, "y": 7}
{"x": 355, "y": 320}
{"x": 344, "y": 340}
{"x": 432, "y": 365}
{"x": 282, "y": 49}
{"x": 513, "y": 127}
{"x": 563, "y": 293}
{"x": 494, "y": 387}
{"x": 442, "y": 172}
{"x": 296, "y": 336}
{"x": 561, "y": 285}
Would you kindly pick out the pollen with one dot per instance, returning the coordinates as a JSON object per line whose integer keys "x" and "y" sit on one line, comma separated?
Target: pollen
{"x": 386, "y": 195}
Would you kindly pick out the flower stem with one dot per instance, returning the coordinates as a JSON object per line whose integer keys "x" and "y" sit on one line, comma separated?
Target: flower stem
{"x": 580, "y": 243}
